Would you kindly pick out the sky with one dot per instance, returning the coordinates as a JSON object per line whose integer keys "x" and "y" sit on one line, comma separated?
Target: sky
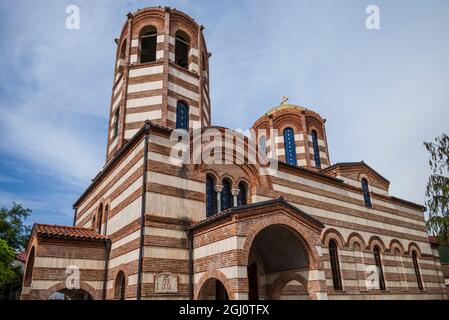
{"x": 383, "y": 92}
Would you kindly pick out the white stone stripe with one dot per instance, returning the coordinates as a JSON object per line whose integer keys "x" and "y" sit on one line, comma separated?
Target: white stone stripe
{"x": 116, "y": 103}
{"x": 231, "y": 243}
{"x": 340, "y": 191}
{"x": 141, "y": 102}
{"x": 142, "y": 116}
{"x": 309, "y": 195}
{"x": 134, "y": 43}
{"x": 145, "y": 71}
{"x": 125, "y": 240}
{"x": 145, "y": 86}
{"x": 124, "y": 258}
{"x": 183, "y": 91}
{"x": 118, "y": 87}
{"x": 176, "y": 182}
{"x": 183, "y": 76}
{"x": 166, "y": 253}
{"x": 84, "y": 204}
{"x": 50, "y": 262}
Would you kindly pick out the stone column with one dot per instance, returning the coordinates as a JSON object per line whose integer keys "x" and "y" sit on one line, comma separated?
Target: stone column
{"x": 235, "y": 193}
{"x": 218, "y": 189}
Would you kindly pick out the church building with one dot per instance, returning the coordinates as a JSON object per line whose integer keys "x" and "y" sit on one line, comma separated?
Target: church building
{"x": 153, "y": 226}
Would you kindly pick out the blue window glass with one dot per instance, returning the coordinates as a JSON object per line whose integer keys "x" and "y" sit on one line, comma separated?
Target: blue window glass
{"x": 211, "y": 195}
{"x": 263, "y": 146}
{"x": 241, "y": 199}
{"x": 316, "y": 150}
{"x": 182, "y": 116}
{"x": 226, "y": 196}
{"x": 366, "y": 195}
{"x": 290, "y": 147}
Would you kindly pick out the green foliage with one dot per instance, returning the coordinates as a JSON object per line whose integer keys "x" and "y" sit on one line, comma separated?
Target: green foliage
{"x": 10, "y": 276}
{"x": 437, "y": 191}
{"x": 12, "y": 227}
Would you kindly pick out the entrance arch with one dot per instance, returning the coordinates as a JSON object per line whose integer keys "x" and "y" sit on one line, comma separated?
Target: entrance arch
{"x": 70, "y": 294}
{"x": 213, "y": 289}
{"x": 277, "y": 256}
{"x": 60, "y": 292}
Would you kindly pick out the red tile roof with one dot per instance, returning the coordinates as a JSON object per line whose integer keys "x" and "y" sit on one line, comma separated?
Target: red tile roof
{"x": 22, "y": 256}
{"x": 68, "y": 232}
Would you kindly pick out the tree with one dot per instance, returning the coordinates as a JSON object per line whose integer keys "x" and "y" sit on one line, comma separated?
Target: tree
{"x": 437, "y": 191}
{"x": 9, "y": 275}
{"x": 12, "y": 227}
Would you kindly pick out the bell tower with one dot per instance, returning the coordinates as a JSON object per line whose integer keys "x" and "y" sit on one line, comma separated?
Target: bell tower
{"x": 161, "y": 74}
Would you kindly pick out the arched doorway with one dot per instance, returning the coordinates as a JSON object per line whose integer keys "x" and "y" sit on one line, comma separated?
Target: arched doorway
{"x": 213, "y": 289}
{"x": 70, "y": 294}
{"x": 277, "y": 257}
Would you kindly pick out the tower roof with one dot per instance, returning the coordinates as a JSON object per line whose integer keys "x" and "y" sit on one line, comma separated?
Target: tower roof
{"x": 283, "y": 106}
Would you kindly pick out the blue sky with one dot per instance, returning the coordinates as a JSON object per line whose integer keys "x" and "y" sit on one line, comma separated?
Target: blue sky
{"x": 382, "y": 92}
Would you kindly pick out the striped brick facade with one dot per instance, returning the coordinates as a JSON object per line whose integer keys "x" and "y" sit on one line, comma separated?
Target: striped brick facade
{"x": 144, "y": 215}
{"x": 151, "y": 90}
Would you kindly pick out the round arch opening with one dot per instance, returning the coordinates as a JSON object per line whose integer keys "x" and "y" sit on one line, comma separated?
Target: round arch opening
{"x": 277, "y": 259}
{"x": 71, "y": 294}
{"x": 213, "y": 289}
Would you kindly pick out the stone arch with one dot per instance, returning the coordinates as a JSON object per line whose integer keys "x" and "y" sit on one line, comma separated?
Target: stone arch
{"x": 332, "y": 233}
{"x": 95, "y": 294}
{"x": 283, "y": 279}
{"x": 292, "y": 225}
{"x": 355, "y": 237}
{"x": 214, "y": 274}
{"x": 29, "y": 268}
{"x": 376, "y": 240}
{"x": 394, "y": 243}
{"x": 412, "y": 246}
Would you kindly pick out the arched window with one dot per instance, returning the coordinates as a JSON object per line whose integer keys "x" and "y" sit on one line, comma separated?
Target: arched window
{"x": 290, "y": 147}
{"x": 380, "y": 270}
{"x": 29, "y": 268}
{"x": 182, "y": 49}
{"x": 106, "y": 215}
{"x": 316, "y": 149}
{"x": 211, "y": 196}
{"x": 116, "y": 121}
{"x": 366, "y": 195}
{"x": 123, "y": 50}
{"x": 226, "y": 196}
{"x": 417, "y": 272}
{"x": 182, "y": 115}
{"x": 263, "y": 146}
{"x": 94, "y": 221}
{"x": 148, "y": 40}
{"x": 119, "y": 293}
{"x": 335, "y": 265}
{"x": 241, "y": 198}
{"x": 100, "y": 218}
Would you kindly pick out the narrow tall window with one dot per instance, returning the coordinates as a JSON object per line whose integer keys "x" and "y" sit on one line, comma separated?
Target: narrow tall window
{"x": 211, "y": 196}
{"x": 290, "y": 147}
{"x": 100, "y": 218}
{"x": 335, "y": 265}
{"x": 182, "y": 115}
{"x": 262, "y": 147}
{"x": 380, "y": 271}
{"x": 417, "y": 272}
{"x": 123, "y": 50}
{"x": 366, "y": 195}
{"x": 182, "y": 49}
{"x": 106, "y": 216}
{"x": 148, "y": 41}
{"x": 120, "y": 286}
{"x": 116, "y": 121}
{"x": 241, "y": 198}
{"x": 226, "y": 196}
{"x": 316, "y": 149}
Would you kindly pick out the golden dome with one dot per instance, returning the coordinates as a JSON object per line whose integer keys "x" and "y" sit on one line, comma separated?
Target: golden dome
{"x": 283, "y": 106}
